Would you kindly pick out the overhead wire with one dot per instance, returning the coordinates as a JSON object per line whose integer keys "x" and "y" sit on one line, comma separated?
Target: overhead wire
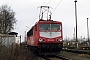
{"x": 36, "y": 11}
{"x": 36, "y": 14}
{"x": 46, "y": 4}
{"x": 49, "y": 2}
{"x": 33, "y": 19}
{"x": 57, "y": 6}
{"x": 44, "y": 1}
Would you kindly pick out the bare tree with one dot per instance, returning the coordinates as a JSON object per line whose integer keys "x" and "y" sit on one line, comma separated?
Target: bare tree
{"x": 7, "y": 19}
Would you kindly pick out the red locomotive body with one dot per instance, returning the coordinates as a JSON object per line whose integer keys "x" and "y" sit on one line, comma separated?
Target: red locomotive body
{"x": 45, "y": 36}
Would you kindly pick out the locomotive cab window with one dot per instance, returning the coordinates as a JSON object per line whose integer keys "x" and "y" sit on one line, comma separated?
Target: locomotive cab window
{"x": 55, "y": 27}
{"x": 44, "y": 27}
{"x": 30, "y": 33}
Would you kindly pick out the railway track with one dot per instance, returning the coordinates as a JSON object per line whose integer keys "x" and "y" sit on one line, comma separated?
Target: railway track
{"x": 62, "y": 57}
{"x": 77, "y": 51}
{"x": 44, "y": 57}
{"x": 59, "y": 57}
{"x": 51, "y": 57}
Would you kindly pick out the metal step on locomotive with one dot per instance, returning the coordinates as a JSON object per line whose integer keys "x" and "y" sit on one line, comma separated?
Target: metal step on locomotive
{"x": 46, "y": 36}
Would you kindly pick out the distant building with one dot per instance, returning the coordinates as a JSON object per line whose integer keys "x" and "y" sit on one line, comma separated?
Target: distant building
{"x": 9, "y": 39}
{"x": 13, "y": 33}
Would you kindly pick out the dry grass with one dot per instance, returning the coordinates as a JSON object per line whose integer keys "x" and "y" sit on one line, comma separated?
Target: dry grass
{"x": 15, "y": 52}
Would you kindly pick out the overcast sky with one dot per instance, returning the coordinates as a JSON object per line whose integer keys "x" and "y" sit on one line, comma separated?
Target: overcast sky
{"x": 27, "y": 14}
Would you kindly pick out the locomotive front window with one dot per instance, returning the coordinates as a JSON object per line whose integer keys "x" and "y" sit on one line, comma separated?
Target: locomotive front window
{"x": 44, "y": 26}
{"x": 50, "y": 27}
{"x": 55, "y": 27}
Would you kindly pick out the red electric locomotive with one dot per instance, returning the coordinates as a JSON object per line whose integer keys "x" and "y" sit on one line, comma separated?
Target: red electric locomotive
{"x": 45, "y": 36}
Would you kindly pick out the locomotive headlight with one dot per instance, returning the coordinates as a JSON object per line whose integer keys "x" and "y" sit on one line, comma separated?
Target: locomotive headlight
{"x": 60, "y": 40}
{"x": 40, "y": 40}
{"x": 57, "y": 40}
